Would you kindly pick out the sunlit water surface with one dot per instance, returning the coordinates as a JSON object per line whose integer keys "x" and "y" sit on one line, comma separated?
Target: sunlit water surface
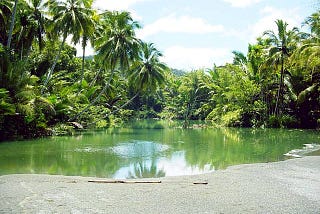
{"x": 150, "y": 149}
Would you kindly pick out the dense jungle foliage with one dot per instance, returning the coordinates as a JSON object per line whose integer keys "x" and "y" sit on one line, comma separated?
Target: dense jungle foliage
{"x": 45, "y": 89}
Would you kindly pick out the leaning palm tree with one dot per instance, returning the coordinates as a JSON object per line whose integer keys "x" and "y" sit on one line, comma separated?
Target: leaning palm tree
{"x": 117, "y": 46}
{"x": 69, "y": 18}
{"x": 147, "y": 73}
{"x": 282, "y": 46}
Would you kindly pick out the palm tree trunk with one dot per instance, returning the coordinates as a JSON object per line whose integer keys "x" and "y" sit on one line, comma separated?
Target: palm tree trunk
{"x": 53, "y": 66}
{"x": 39, "y": 31}
{"x": 21, "y": 52}
{"x": 95, "y": 100}
{"x": 124, "y": 105}
{"x": 95, "y": 77}
{"x": 13, "y": 16}
{"x": 84, "y": 43}
{"x": 82, "y": 68}
{"x": 118, "y": 109}
{"x": 277, "y": 109}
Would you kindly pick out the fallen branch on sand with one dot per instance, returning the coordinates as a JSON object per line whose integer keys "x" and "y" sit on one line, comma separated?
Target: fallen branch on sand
{"x": 124, "y": 182}
{"x": 133, "y": 182}
{"x": 200, "y": 183}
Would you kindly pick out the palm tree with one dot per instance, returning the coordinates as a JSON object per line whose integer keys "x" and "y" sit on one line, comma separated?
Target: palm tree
{"x": 305, "y": 79}
{"x": 241, "y": 60}
{"x": 88, "y": 32}
{"x": 148, "y": 71}
{"x": 313, "y": 22}
{"x": 282, "y": 46}
{"x": 70, "y": 17}
{"x": 117, "y": 46}
{"x": 37, "y": 14}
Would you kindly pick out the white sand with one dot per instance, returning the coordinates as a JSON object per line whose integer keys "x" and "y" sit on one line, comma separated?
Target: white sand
{"x": 291, "y": 186}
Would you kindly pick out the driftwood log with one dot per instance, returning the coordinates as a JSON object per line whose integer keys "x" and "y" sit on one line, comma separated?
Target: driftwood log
{"x": 124, "y": 182}
{"x": 133, "y": 182}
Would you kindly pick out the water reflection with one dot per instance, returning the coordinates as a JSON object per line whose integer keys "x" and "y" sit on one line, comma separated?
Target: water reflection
{"x": 139, "y": 149}
{"x": 145, "y": 169}
{"x": 150, "y": 149}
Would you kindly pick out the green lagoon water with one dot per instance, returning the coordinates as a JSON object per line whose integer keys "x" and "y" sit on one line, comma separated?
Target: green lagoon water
{"x": 150, "y": 149}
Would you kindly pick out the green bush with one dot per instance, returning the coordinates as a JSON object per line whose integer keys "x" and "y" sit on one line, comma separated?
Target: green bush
{"x": 282, "y": 121}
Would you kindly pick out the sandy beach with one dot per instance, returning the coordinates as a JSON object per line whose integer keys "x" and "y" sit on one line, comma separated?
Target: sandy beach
{"x": 291, "y": 186}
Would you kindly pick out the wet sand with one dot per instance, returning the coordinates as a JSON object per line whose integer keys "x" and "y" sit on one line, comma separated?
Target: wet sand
{"x": 291, "y": 186}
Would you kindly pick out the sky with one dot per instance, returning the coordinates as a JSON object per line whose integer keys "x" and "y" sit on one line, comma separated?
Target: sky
{"x": 195, "y": 34}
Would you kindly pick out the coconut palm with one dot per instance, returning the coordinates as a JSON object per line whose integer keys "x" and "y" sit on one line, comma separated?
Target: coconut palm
{"x": 241, "y": 60}
{"x": 148, "y": 71}
{"x": 37, "y": 14}
{"x": 117, "y": 46}
{"x": 313, "y": 22}
{"x": 282, "y": 47}
{"x": 88, "y": 32}
{"x": 70, "y": 17}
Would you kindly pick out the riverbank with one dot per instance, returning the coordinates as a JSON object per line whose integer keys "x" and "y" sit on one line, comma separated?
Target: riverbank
{"x": 291, "y": 186}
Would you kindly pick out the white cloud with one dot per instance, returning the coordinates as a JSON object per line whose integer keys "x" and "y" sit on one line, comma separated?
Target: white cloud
{"x": 182, "y": 24}
{"x": 242, "y": 3}
{"x": 194, "y": 58}
{"x": 267, "y": 22}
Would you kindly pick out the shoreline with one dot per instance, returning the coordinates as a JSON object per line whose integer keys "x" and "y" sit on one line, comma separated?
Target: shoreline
{"x": 290, "y": 186}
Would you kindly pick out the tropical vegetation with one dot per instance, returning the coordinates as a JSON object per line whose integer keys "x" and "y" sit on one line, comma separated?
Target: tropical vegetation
{"x": 45, "y": 89}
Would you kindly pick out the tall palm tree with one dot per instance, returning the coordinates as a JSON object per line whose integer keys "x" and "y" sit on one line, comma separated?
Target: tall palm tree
{"x": 88, "y": 31}
{"x": 148, "y": 70}
{"x": 69, "y": 18}
{"x": 282, "y": 46}
{"x": 117, "y": 46}
{"x": 37, "y": 14}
